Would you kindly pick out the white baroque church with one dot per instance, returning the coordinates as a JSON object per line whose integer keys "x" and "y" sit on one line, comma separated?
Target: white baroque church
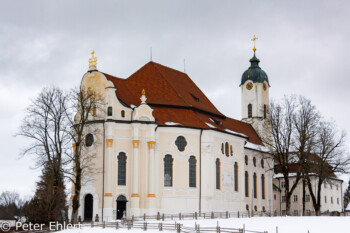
{"x": 164, "y": 147}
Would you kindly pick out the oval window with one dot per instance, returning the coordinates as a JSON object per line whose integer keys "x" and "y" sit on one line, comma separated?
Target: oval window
{"x": 181, "y": 143}
{"x": 89, "y": 140}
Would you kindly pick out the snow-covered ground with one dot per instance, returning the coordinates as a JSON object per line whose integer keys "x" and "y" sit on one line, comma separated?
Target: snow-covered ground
{"x": 284, "y": 224}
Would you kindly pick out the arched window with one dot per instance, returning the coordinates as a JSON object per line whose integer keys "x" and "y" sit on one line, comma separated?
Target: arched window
{"x": 265, "y": 111}
{"x": 262, "y": 163}
{"x": 263, "y": 209}
{"x": 255, "y": 208}
{"x": 246, "y": 160}
{"x": 262, "y": 186}
{"x": 231, "y": 150}
{"x": 236, "y": 176}
{"x": 121, "y": 168}
{"x": 109, "y": 111}
{"x": 254, "y": 162}
{"x": 122, "y": 113}
{"x": 168, "y": 171}
{"x": 246, "y": 178}
{"x": 217, "y": 173}
{"x": 222, "y": 148}
{"x": 250, "y": 109}
{"x": 247, "y": 207}
{"x": 227, "y": 149}
{"x": 192, "y": 171}
{"x": 254, "y": 181}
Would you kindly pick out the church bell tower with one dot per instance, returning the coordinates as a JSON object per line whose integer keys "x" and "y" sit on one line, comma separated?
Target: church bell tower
{"x": 255, "y": 94}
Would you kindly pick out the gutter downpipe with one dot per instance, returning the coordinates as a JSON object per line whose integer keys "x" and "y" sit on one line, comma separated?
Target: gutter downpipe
{"x": 103, "y": 169}
{"x": 200, "y": 172}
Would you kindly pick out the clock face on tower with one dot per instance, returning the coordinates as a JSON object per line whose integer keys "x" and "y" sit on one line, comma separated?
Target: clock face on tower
{"x": 249, "y": 86}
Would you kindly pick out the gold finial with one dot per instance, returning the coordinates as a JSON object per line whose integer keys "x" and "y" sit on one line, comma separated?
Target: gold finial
{"x": 92, "y": 61}
{"x": 143, "y": 92}
{"x": 254, "y": 39}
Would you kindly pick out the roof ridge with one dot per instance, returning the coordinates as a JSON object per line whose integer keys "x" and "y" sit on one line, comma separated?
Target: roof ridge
{"x": 168, "y": 67}
{"x": 182, "y": 98}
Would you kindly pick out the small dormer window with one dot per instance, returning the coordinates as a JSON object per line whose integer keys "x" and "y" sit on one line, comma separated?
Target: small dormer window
{"x": 109, "y": 111}
{"x": 122, "y": 113}
{"x": 195, "y": 97}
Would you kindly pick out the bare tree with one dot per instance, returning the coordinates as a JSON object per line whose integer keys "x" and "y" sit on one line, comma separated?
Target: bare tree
{"x": 305, "y": 121}
{"x": 88, "y": 106}
{"x": 280, "y": 141}
{"x": 12, "y": 203}
{"x": 46, "y": 125}
{"x": 329, "y": 157}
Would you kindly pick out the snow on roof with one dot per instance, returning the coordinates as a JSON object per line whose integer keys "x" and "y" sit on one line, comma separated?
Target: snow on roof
{"x": 171, "y": 123}
{"x": 210, "y": 125}
{"x": 233, "y": 132}
{"x": 253, "y": 146}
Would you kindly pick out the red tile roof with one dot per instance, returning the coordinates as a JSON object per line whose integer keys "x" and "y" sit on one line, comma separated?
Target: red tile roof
{"x": 176, "y": 98}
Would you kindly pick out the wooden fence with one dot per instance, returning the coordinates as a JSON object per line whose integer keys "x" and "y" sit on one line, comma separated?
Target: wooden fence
{"x": 161, "y": 226}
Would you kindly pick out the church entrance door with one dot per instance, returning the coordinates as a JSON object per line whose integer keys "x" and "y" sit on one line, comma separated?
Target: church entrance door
{"x": 121, "y": 206}
{"x": 88, "y": 207}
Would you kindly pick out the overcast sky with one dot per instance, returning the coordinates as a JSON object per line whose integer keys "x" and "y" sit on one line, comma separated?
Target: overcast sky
{"x": 303, "y": 47}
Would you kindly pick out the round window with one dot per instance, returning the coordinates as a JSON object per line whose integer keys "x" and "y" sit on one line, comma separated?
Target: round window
{"x": 89, "y": 140}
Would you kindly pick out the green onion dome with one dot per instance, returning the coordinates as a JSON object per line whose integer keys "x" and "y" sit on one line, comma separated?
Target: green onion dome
{"x": 254, "y": 72}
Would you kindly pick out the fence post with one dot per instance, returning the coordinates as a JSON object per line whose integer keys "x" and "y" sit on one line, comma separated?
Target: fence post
{"x": 163, "y": 217}
{"x": 104, "y": 224}
{"x": 195, "y": 215}
{"x": 129, "y": 225}
{"x": 198, "y": 228}
{"x": 212, "y": 214}
{"x": 117, "y": 225}
{"x": 145, "y": 226}
{"x": 161, "y": 226}
{"x": 179, "y": 216}
{"x": 144, "y": 217}
{"x": 237, "y": 214}
{"x": 158, "y": 216}
{"x": 226, "y": 214}
{"x": 178, "y": 227}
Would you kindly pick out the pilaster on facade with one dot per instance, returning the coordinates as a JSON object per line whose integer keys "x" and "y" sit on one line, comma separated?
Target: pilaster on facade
{"x": 135, "y": 197}
{"x": 152, "y": 179}
{"x": 108, "y": 196}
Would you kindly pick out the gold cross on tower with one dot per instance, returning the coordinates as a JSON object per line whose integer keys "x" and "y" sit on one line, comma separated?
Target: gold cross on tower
{"x": 92, "y": 61}
{"x": 254, "y": 39}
